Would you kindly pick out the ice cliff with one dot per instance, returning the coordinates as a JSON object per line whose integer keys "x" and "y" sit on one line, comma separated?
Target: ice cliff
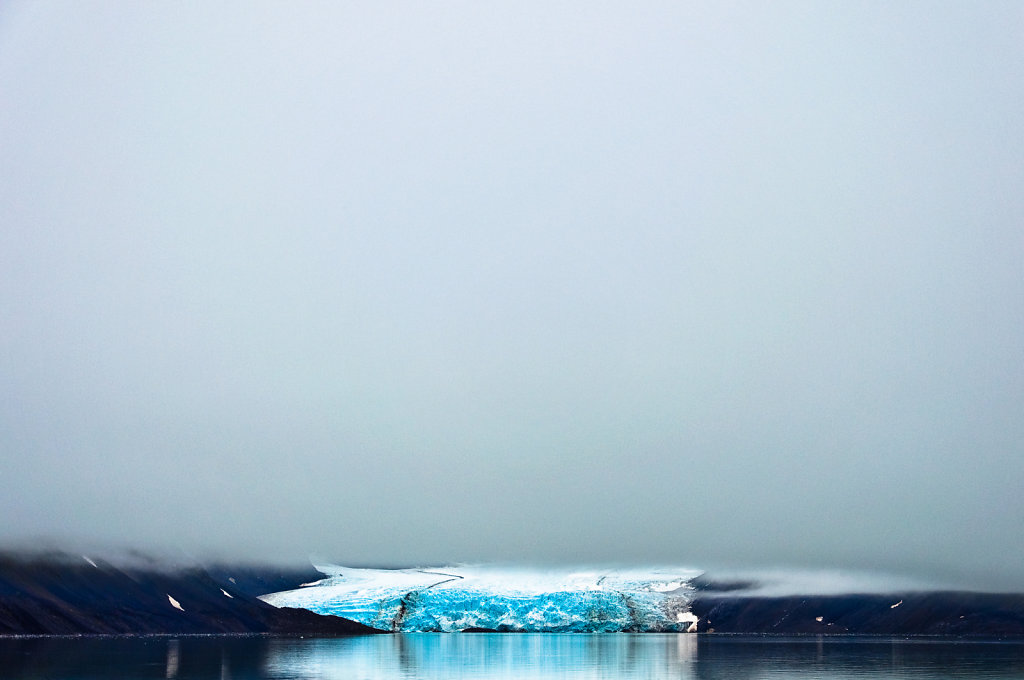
{"x": 448, "y": 599}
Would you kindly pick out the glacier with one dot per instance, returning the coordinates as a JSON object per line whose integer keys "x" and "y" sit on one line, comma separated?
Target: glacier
{"x": 459, "y": 598}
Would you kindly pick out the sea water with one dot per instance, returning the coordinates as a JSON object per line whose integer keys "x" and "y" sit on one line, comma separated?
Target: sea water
{"x": 480, "y": 656}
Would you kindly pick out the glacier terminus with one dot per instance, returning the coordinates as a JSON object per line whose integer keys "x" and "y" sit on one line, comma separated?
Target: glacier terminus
{"x": 487, "y": 598}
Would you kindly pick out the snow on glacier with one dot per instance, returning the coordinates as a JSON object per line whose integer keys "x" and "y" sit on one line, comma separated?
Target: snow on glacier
{"x": 448, "y": 599}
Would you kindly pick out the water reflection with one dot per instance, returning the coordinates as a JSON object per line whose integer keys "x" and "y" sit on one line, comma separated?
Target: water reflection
{"x": 487, "y": 656}
{"x": 498, "y": 656}
{"x": 173, "y": 654}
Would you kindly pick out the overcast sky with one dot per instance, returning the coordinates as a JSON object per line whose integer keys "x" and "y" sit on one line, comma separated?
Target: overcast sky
{"x": 717, "y": 283}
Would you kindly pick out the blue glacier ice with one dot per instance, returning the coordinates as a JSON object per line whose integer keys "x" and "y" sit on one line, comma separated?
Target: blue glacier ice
{"x": 449, "y": 599}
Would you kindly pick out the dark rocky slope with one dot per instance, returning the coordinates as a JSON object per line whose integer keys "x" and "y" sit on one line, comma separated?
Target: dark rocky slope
{"x": 728, "y": 610}
{"x": 65, "y": 595}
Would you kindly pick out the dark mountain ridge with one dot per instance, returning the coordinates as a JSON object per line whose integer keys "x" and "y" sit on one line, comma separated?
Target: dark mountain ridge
{"x": 59, "y": 594}
{"x": 736, "y": 607}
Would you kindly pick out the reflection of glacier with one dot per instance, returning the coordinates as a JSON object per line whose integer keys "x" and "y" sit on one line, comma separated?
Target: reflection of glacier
{"x": 485, "y": 657}
{"x": 459, "y": 598}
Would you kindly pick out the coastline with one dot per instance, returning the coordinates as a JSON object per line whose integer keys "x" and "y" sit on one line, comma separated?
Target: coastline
{"x": 68, "y": 596}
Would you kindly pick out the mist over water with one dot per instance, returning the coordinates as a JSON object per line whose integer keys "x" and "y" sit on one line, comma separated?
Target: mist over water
{"x": 733, "y": 285}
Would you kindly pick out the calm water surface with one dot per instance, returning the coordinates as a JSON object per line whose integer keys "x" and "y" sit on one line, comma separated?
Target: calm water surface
{"x": 486, "y": 656}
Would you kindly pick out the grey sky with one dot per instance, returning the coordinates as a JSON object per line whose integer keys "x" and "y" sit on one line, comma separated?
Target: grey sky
{"x": 719, "y": 283}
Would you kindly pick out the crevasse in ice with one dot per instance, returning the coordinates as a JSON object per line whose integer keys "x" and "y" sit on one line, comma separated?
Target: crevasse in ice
{"x": 448, "y": 599}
